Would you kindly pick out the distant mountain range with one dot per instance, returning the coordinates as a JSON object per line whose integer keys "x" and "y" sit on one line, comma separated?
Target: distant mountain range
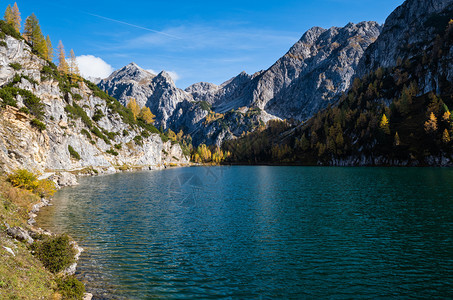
{"x": 311, "y": 75}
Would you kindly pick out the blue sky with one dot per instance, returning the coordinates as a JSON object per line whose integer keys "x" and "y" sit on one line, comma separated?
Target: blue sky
{"x": 195, "y": 40}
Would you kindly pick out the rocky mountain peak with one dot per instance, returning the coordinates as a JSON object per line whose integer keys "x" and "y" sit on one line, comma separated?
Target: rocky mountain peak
{"x": 165, "y": 77}
{"x": 131, "y": 72}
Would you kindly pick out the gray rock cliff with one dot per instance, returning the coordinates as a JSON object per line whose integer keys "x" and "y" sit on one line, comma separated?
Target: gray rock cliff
{"x": 107, "y": 144}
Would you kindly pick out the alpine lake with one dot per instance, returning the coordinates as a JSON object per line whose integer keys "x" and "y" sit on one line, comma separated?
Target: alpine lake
{"x": 262, "y": 232}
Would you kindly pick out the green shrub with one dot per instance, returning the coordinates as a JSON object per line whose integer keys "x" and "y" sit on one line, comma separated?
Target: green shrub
{"x": 86, "y": 133}
{"x": 9, "y": 30}
{"x": 15, "y": 66}
{"x": 3, "y": 43}
{"x": 112, "y": 152}
{"x": 138, "y": 140}
{"x": 110, "y": 135}
{"x": 8, "y": 94}
{"x": 118, "y": 146}
{"x": 38, "y": 124}
{"x": 145, "y": 134}
{"x": 56, "y": 253}
{"x": 76, "y": 97}
{"x": 205, "y": 105}
{"x": 73, "y": 153}
{"x": 98, "y": 115}
{"x": 76, "y": 111}
{"x": 33, "y": 103}
{"x": 125, "y": 132}
{"x": 99, "y": 134}
{"x": 70, "y": 288}
{"x": 24, "y": 110}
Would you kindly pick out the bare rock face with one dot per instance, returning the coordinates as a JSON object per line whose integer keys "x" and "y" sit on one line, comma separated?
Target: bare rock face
{"x": 22, "y": 145}
{"x": 315, "y": 71}
{"x": 407, "y": 31}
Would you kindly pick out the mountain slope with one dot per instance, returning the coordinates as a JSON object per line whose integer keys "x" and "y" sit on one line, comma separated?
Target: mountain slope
{"x": 396, "y": 114}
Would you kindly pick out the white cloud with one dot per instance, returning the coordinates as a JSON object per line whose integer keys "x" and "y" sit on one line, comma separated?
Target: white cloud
{"x": 92, "y": 66}
{"x": 173, "y": 75}
{"x": 151, "y": 71}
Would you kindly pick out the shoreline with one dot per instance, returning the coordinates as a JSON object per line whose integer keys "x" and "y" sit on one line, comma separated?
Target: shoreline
{"x": 64, "y": 179}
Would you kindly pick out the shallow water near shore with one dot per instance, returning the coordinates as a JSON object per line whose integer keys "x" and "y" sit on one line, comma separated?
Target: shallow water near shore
{"x": 248, "y": 232}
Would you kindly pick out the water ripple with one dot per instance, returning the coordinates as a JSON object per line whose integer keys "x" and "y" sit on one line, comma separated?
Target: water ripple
{"x": 262, "y": 232}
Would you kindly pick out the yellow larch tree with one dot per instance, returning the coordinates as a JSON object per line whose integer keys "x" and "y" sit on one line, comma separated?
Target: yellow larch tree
{"x": 446, "y": 137}
{"x": 73, "y": 66}
{"x": 147, "y": 115}
{"x": 62, "y": 64}
{"x": 134, "y": 107}
{"x": 16, "y": 17}
{"x": 384, "y": 124}
{"x": 431, "y": 124}
{"x": 8, "y": 17}
{"x": 50, "y": 54}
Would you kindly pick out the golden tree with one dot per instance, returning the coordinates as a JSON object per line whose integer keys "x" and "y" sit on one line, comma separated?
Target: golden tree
{"x": 171, "y": 135}
{"x": 62, "y": 64}
{"x": 397, "y": 140}
{"x": 133, "y": 106}
{"x": 384, "y": 124}
{"x": 16, "y": 17}
{"x": 49, "y": 49}
{"x": 8, "y": 17}
{"x": 431, "y": 124}
{"x": 446, "y": 117}
{"x": 147, "y": 115}
{"x": 32, "y": 34}
{"x": 73, "y": 66}
{"x": 446, "y": 137}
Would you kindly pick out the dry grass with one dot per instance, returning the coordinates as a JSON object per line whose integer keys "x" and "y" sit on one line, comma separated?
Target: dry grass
{"x": 21, "y": 276}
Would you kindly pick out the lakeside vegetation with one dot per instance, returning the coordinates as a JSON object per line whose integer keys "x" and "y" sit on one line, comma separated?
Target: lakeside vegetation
{"x": 32, "y": 271}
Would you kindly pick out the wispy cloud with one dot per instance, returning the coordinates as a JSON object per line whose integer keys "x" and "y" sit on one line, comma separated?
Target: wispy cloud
{"x": 198, "y": 37}
{"x": 134, "y": 25}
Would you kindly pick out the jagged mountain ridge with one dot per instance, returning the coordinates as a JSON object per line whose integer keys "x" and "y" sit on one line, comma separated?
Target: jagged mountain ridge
{"x": 312, "y": 74}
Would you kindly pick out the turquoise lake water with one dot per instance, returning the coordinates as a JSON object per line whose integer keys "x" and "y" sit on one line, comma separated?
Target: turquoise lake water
{"x": 262, "y": 232}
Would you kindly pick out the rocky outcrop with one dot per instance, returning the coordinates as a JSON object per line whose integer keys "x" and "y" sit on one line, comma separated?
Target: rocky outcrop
{"x": 75, "y": 117}
{"x": 19, "y": 234}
